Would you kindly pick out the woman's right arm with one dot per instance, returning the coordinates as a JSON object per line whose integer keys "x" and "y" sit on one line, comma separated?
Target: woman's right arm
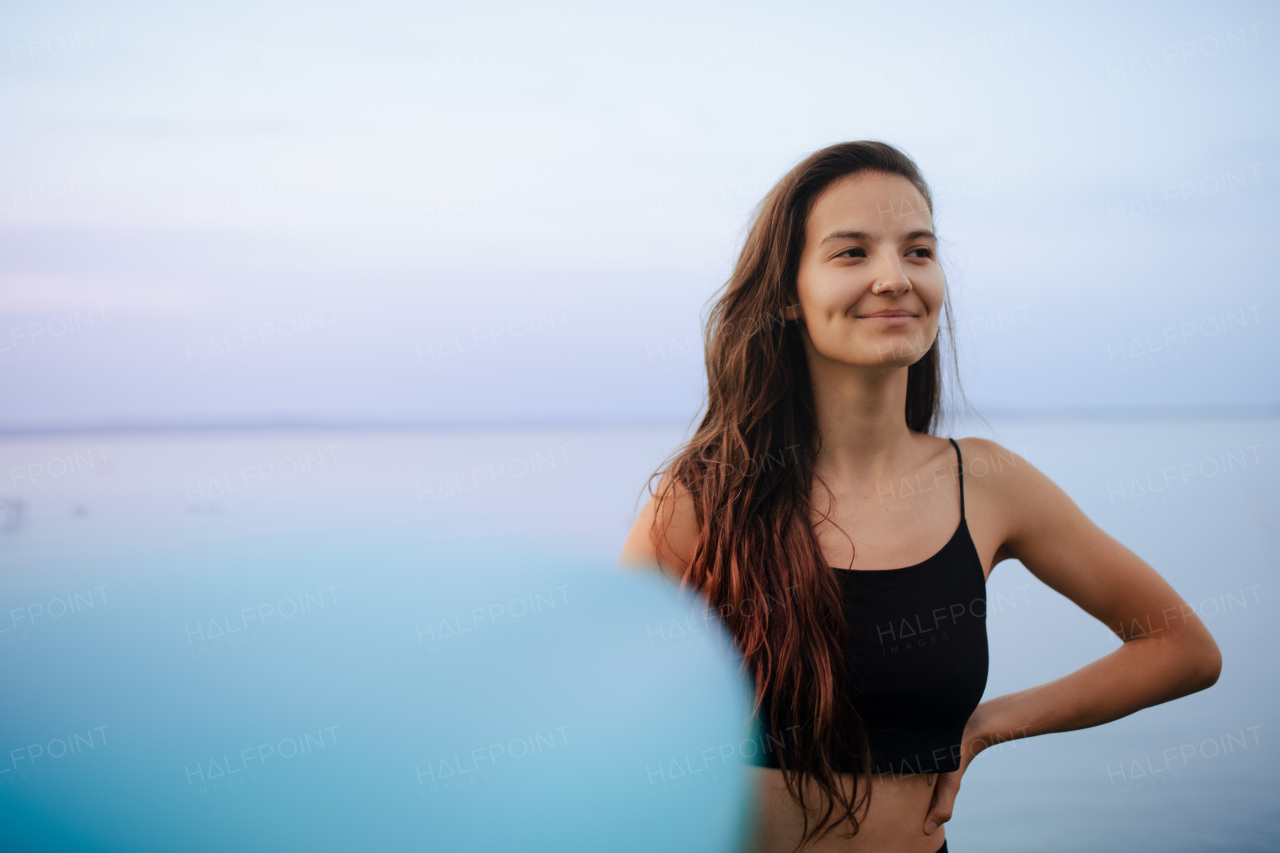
{"x": 677, "y": 531}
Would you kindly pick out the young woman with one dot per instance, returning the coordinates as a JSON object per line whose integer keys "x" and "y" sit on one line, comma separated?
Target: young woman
{"x": 824, "y": 378}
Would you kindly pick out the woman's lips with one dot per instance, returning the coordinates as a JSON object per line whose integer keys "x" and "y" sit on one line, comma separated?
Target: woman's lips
{"x": 889, "y": 319}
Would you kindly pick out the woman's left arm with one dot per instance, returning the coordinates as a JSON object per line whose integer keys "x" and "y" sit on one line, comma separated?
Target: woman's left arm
{"x": 1167, "y": 651}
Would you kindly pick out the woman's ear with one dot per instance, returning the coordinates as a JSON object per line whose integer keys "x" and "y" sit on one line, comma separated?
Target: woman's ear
{"x": 792, "y": 312}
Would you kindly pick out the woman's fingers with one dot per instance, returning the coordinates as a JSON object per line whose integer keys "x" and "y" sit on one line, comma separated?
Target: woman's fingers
{"x": 944, "y": 800}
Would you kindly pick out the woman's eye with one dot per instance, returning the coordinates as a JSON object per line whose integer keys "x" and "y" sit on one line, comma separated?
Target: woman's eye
{"x": 928, "y": 253}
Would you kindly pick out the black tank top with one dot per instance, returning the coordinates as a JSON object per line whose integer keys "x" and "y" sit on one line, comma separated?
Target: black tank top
{"x": 916, "y": 657}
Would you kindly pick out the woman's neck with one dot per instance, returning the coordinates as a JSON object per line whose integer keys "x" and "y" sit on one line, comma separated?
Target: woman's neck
{"x": 861, "y": 419}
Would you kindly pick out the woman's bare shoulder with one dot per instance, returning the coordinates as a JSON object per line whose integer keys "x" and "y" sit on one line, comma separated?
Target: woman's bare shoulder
{"x": 984, "y": 458}
{"x": 994, "y": 482}
{"x": 676, "y": 532}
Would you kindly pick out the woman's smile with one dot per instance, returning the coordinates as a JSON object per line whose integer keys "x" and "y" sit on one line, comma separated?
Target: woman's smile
{"x": 889, "y": 319}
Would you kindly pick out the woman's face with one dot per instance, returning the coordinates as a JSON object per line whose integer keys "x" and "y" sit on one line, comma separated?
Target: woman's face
{"x": 869, "y": 247}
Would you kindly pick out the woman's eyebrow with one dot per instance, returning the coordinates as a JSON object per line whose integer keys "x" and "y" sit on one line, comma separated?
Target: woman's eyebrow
{"x": 871, "y": 238}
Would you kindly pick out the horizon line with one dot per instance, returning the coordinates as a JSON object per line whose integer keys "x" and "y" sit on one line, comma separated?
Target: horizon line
{"x": 1077, "y": 413}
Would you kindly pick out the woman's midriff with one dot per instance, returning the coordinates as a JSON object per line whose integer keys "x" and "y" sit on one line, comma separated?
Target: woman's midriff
{"x": 893, "y": 822}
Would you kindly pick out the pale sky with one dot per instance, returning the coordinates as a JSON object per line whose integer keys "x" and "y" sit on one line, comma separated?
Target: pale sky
{"x": 368, "y": 213}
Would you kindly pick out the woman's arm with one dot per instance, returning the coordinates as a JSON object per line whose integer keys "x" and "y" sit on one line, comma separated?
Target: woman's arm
{"x": 1167, "y": 653}
{"x": 678, "y": 534}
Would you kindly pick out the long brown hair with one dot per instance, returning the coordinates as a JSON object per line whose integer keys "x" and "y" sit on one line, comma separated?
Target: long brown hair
{"x": 749, "y": 468}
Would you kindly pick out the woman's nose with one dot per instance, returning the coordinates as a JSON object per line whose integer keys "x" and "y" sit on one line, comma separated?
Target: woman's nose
{"x": 892, "y": 279}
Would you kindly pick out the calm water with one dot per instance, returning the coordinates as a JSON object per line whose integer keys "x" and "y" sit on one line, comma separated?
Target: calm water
{"x": 1197, "y": 500}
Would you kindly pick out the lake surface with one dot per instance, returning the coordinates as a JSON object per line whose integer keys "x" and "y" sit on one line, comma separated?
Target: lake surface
{"x": 1198, "y": 500}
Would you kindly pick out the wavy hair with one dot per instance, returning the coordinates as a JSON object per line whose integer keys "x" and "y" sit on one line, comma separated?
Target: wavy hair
{"x": 749, "y": 469}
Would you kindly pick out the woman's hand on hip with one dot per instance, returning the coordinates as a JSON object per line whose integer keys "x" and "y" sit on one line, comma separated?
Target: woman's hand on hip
{"x": 944, "y": 793}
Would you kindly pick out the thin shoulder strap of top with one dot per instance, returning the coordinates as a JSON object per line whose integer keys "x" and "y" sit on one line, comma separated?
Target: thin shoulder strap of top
{"x": 961, "y": 463}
